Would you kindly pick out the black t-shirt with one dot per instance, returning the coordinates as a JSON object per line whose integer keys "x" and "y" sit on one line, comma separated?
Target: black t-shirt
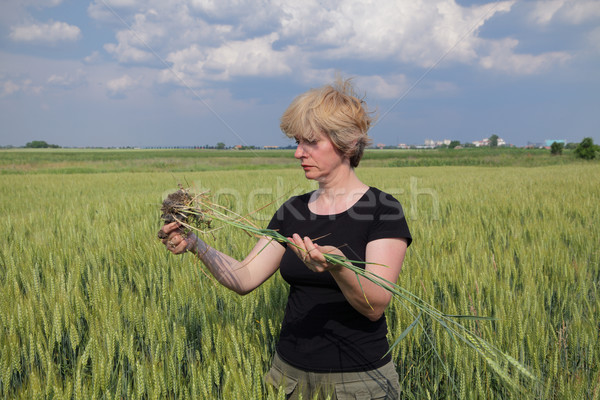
{"x": 321, "y": 331}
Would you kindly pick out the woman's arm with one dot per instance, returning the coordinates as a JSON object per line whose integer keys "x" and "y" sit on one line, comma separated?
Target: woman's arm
{"x": 385, "y": 257}
{"x": 240, "y": 276}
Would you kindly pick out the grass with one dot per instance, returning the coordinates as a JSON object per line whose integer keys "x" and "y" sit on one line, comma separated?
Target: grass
{"x": 93, "y": 306}
{"x": 76, "y": 161}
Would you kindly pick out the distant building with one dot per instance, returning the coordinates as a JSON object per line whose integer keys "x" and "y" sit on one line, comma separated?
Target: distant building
{"x": 486, "y": 142}
{"x": 403, "y": 146}
{"x": 436, "y": 143}
{"x": 481, "y": 143}
{"x": 270, "y": 147}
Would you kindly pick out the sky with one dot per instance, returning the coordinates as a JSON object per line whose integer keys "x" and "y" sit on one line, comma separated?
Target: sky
{"x": 112, "y": 73}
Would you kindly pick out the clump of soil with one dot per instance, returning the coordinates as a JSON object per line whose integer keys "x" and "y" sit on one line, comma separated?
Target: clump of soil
{"x": 181, "y": 206}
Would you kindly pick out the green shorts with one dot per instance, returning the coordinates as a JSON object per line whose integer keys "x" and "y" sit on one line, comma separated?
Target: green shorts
{"x": 380, "y": 383}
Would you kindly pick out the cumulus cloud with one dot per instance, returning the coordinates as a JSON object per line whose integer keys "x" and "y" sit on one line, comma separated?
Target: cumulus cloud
{"x": 117, "y": 88}
{"x": 197, "y": 41}
{"x": 9, "y": 87}
{"x": 136, "y": 44}
{"x": 502, "y": 57}
{"x": 566, "y": 11}
{"x": 391, "y": 87}
{"x": 416, "y": 32}
{"x": 13, "y": 86}
{"x": 93, "y": 58}
{"x": 68, "y": 80}
{"x": 50, "y": 32}
{"x": 105, "y": 10}
{"x": 218, "y": 40}
{"x": 254, "y": 57}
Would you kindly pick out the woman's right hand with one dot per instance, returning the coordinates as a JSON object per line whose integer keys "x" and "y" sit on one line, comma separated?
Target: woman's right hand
{"x": 176, "y": 241}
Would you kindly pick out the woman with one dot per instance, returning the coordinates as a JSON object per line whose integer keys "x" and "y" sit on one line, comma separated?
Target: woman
{"x": 333, "y": 335}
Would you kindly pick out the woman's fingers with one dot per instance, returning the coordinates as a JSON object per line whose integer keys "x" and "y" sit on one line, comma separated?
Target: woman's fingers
{"x": 309, "y": 252}
{"x": 298, "y": 248}
{"x": 173, "y": 239}
{"x": 170, "y": 227}
{"x": 176, "y": 244}
{"x": 313, "y": 251}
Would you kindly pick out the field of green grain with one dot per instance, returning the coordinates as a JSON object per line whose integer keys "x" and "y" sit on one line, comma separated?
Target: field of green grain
{"x": 93, "y": 306}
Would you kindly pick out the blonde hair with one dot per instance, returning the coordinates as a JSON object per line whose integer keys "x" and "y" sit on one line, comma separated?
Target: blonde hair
{"x": 335, "y": 111}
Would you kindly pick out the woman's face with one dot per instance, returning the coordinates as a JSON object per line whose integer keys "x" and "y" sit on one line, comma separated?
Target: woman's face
{"x": 319, "y": 157}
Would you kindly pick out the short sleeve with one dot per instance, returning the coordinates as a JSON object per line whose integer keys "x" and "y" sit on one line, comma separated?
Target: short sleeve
{"x": 276, "y": 221}
{"x": 389, "y": 220}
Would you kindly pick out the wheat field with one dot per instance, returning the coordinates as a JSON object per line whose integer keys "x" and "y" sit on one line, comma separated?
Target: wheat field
{"x": 93, "y": 306}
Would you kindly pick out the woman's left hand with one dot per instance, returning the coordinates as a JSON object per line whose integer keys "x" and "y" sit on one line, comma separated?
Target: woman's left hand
{"x": 312, "y": 255}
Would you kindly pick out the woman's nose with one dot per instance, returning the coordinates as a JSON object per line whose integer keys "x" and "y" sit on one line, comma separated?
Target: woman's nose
{"x": 299, "y": 153}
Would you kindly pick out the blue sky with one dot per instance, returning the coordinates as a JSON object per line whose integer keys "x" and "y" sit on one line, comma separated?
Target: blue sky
{"x": 197, "y": 72}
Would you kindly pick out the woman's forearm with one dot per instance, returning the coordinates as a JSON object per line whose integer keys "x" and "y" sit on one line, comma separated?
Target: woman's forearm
{"x": 240, "y": 276}
{"x": 228, "y": 271}
{"x": 366, "y": 297}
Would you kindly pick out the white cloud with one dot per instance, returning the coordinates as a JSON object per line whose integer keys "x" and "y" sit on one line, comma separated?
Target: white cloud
{"x": 503, "y": 58}
{"x": 124, "y": 52}
{"x": 391, "y": 87}
{"x": 67, "y": 81}
{"x": 156, "y": 32}
{"x": 254, "y": 57}
{"x": 50, "y": 32}
{"x": 9, "y": 87}
{"x": 291, "y": 38}
{"x": 119, "y": 86}
{"x": 567, "y": 11}
{"x": 136, "y": 44}
{"x": 543, "y": 11}
{"x": 13, "y": 86}
{"x": 106, "y": 9}
{"x": 93, "y": 58}
{"x": 417, "y": 32}
{"x": 210, "y": 40}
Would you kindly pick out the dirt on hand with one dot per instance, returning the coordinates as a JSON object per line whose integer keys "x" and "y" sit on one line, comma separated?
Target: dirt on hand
{"x": 180, "y": 207}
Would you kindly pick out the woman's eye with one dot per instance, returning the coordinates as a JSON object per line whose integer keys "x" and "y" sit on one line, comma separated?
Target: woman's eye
{"x": 306, "y": 141}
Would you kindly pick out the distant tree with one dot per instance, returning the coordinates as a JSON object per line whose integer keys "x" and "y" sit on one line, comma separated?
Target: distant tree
{"x": 468, "y": 144}
{"x": 40, "y": 144}
{"x": 36, "y": 144}
{"x": 586, "y": 149}
{"x": 454, "y": 143}
{"x": 571, "y": 146}
{"x": 556, "y": 148}
{"x": 494, "y": 141}
{"x": 220, "y": 145}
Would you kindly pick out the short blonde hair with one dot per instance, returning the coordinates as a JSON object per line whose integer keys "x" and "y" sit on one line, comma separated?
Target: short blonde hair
{"x": 335, "y": 111}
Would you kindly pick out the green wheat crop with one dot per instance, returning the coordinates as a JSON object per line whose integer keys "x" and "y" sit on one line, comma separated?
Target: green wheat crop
{"x": 93, "y": 306}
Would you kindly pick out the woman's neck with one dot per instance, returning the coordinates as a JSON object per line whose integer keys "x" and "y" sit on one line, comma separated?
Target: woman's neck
{"x": 338, "y": 193}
